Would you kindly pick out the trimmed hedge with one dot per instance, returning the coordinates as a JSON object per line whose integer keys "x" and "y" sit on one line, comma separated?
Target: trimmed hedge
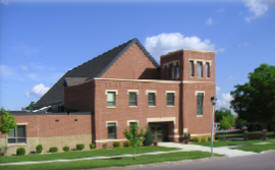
{"x": 104, "y": 145}
{"x": 39, "y": 148}
{"x": 116, "y": 144}
{"x": 66, "y": 148}
{"x": 53, "y": 149}
{"x": 126, "y": 144}
{"x": 20, "y": 151}
{"x": 204, "y": 139}
{"x": 79, "y": 147}
{"x": 92, "y": 146}
{"x": 148, "y": 138}
{"x": 197, "y": 139}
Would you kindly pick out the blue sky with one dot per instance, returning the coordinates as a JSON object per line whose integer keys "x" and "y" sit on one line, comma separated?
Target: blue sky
{"x": 40, "y": 40}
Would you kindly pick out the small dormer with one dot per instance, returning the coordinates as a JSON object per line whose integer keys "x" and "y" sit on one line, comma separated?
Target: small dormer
{"x": 188, "y": 65}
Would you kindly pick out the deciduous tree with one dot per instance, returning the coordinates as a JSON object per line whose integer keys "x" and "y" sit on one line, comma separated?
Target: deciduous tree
{"x": 135, "y": 137}
{"x": 254, "y": 101}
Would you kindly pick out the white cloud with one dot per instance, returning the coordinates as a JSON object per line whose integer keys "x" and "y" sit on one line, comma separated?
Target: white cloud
{"x": 37, "y": 91}
{"x": 244, "y": 44}
{"x": 24, "y": 68}
{"x": 32, "y": 76}
{"x": 166, "y": 42}
{"x": 209, "y": 21}
{"x": 218, "y": 89}
{"x": 220, "y": 50}
{"x": 4, "y": 2}
{"x": 224, "y": 100}
{"x": 257, "y": 7}
{"x": 6, "y": 71}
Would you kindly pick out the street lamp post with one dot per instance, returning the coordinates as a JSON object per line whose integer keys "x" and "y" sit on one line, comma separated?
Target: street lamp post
{"x": 213, "y": 101}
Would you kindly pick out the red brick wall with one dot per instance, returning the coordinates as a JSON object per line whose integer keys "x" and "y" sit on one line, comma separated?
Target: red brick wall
{"x": 178, "y": 55}
{"x": 197, "y": 125}
{"x": 184, "y": 56}
{"x": 47, "y": 126}
{"x": 79, "y": 97}
{"x": 210, "y": 56}
{"x": 123, "y": 112}
{"x": 133, "y": 64}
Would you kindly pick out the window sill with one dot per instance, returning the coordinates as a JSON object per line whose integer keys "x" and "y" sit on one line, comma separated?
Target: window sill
{"x": 170, "y": 105}
{"x": 15, "y": 144}
{"x": 111, "y": 107}
{"x": 132, "y": 106}
{"x": 199, "y": 116}
{"x": 151, "y": 106}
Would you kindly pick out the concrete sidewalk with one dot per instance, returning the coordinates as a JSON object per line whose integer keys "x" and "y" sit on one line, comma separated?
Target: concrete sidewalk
{"x": 226, "y": 150}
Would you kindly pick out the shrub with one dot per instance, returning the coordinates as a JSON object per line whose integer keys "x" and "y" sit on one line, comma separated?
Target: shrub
{"x": 209, "y": 138}
{"x": 92, "y": 146}
{"x": 116, "y": 144}
{"x": 197, "y": 139}
{"x": 204, "y": 139}
{"x": 53, "y": 149}
{"x": 20, "y": 151}
{"x": 66, "y": 148}
{"x": 187, "y": 136}
{"x": 126, "y": 144}
{"x": 39, "y": 148}
{"x": 79, "y": 147}
{"x": 104, "y": 145}
{"x": 148, "y": 138}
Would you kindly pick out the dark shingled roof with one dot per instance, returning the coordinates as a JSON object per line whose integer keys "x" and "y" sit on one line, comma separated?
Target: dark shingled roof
{"x": 90, "y": 69}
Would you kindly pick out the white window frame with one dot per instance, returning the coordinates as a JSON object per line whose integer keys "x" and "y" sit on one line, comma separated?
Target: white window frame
{"x": 116, "y": 94}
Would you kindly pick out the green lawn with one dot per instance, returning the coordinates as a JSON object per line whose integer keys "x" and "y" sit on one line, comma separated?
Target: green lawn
{"x": 219, "y": 143}
{"x": 112, "y": 162}
{"x": 72, "y": 155}
{"x": 258, "y": 148}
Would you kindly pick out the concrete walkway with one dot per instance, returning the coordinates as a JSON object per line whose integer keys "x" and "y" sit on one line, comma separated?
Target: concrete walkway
{"x": 226, "y": 150}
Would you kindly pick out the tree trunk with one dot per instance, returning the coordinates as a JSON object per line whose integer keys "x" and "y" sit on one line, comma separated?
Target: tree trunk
{"x": 6, "y": 145}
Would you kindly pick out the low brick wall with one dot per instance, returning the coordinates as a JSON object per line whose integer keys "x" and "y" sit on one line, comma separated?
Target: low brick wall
{"x": 51, "y": 130}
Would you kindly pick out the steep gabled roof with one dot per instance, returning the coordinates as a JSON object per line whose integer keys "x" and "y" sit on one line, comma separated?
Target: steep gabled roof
{"x": 95, "y": 67}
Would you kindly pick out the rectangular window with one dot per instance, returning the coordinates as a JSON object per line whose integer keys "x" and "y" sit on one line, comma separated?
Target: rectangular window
{"x": 133, "y": 124}
{"x": 177, "y": 71}
{"x": 199, "y": 69}
{"x": 170, "y": 99}
{"x": 111, "y": 130}
{"x": 208, "y": 69}
{"x": 151, "y": 99}
{"x": 171, "y": 72}
{"x": 191, "y": 67}
{"x": 132, "y": 99}
{"x": 111, "y": 98}
{"x": 17, "y": 134}
{"x": 200, "y": 103}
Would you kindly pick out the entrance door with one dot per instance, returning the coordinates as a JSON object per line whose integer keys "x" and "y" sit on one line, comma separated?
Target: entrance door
{"x": 160, "y": 131}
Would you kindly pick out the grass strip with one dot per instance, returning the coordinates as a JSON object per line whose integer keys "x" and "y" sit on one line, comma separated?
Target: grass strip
{"x": 219, "y": 143}
{"x": 112, "y": 162}
{"x": 257, "y": 148}
{"x": 82, "y": 154}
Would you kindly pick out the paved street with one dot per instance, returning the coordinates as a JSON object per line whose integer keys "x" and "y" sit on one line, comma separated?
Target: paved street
{"x": 264, "y": 161}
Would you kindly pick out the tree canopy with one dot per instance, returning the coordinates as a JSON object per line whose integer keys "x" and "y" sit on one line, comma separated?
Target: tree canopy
{"x": 7, "y": 122}
{"x": 30, "y": 107}
{"x": 220, "y": 113}
{"x": 227, "y": 122}
{"x": 254, "y": 101}
{"x": 134, "y": 136}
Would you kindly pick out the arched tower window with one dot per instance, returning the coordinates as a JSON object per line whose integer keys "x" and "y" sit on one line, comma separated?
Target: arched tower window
{"x": 208, "y": 70}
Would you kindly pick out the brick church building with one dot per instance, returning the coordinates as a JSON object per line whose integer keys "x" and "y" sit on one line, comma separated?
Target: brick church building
{"x": 96, "y": 101}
